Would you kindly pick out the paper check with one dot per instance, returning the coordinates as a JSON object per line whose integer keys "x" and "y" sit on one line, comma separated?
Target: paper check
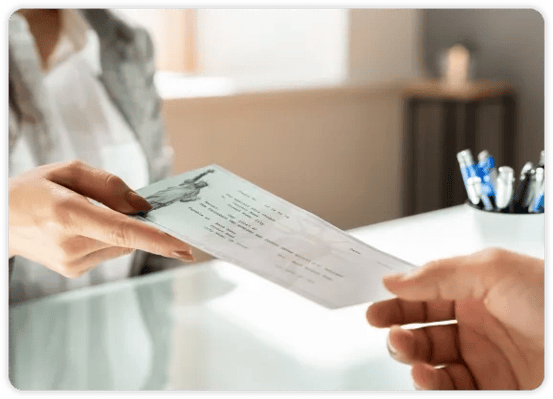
{"x": 239, "y": 222}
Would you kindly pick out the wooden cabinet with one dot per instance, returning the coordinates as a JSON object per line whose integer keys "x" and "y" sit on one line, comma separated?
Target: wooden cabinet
{"x": 438, "y": 123}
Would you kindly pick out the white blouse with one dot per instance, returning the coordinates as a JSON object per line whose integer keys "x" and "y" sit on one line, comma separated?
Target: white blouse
{"x": 88, "y": 126}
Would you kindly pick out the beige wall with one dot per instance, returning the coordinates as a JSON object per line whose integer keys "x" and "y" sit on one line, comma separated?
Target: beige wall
{"x": 384, "y": 45}
{"x": 334, "y": 152}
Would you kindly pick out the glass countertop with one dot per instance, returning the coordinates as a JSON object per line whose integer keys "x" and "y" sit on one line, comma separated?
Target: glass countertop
{"x": 215, "y": 326}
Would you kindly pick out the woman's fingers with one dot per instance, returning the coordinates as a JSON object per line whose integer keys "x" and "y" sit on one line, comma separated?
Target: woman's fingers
{"x": 400, "y": 311}
{"x": 433, "y": 345}
{"x": 99, "y": 185}
{"x": 116, "y": 229}
{"x": 451, "y": 376}
{"x": 78, "y": 246}
{"x": 53, "y": 222}
{"x": 87, "y": 262}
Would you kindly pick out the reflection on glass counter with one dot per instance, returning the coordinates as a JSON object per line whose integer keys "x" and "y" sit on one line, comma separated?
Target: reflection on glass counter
{"x": 212, "y": 326}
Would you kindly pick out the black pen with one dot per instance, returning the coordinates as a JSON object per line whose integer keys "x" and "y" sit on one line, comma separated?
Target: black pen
{"x": 524, "y": 192}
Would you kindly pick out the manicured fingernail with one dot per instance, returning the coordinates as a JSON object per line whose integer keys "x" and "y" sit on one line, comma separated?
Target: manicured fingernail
{"x": 137, "y": 202}
{"x": 175, "y": 239}
{"x": 183, "y": 255}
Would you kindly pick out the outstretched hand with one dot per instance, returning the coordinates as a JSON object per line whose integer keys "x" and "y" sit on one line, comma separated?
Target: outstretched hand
{"x": 496, "y": 298}
{"x": 52, "y": 221}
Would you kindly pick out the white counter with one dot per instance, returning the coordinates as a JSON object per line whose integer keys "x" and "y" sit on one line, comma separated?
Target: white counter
{"x": 217, "y": 326}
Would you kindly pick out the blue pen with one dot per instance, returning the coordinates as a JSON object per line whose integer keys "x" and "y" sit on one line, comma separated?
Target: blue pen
{"x": 487, "y": 170}
{"x": 468, "y": 170}
{"x": 466, "y": 163}
{"x": 488, "y": 175}
{"x": 537, "y": 205}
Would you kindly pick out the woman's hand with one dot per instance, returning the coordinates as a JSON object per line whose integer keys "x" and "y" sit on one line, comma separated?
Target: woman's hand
{"x": 52, "y": 222}
{"x": 497, "y": 299}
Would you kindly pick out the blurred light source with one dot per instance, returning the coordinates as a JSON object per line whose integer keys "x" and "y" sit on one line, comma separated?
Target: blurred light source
{"x": 457, "y": 65}
{"x": 176, "y": 85}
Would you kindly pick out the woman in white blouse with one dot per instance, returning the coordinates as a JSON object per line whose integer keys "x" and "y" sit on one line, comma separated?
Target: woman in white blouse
{"x": 84, "y": 124}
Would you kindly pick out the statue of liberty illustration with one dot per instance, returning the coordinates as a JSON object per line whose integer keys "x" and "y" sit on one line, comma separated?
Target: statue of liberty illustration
{"x": 186, "y": 191}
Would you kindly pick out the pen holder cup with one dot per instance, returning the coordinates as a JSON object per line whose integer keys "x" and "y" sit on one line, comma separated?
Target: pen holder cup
{"x": 521, "y": 232}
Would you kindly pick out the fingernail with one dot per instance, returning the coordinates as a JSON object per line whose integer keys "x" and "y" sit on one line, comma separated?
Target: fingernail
{"x": 137, "y": 202}
{"x": 395, "y": 276}
{"x": 183, "y": 255}
{"x": 403, "y": 276}
{"x": 185, "y": 251}
{"x": 391, "y": 349}
{"x": 396, "y": 355}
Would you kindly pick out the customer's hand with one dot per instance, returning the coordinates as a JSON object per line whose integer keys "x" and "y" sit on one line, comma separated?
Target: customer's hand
{"x": 497, "y": 299}
{"x": 52, "y": 222}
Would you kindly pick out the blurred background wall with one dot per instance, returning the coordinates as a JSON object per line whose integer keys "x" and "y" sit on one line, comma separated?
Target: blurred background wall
{"x": 254, "y": 47}
{"x": 509, "y": 46}
{"x": 308, "y": 103}
{"x": 384, "y": 45}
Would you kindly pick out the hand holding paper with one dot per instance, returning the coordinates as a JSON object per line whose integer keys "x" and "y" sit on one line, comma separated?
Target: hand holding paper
{"x": 236, "y": 221}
